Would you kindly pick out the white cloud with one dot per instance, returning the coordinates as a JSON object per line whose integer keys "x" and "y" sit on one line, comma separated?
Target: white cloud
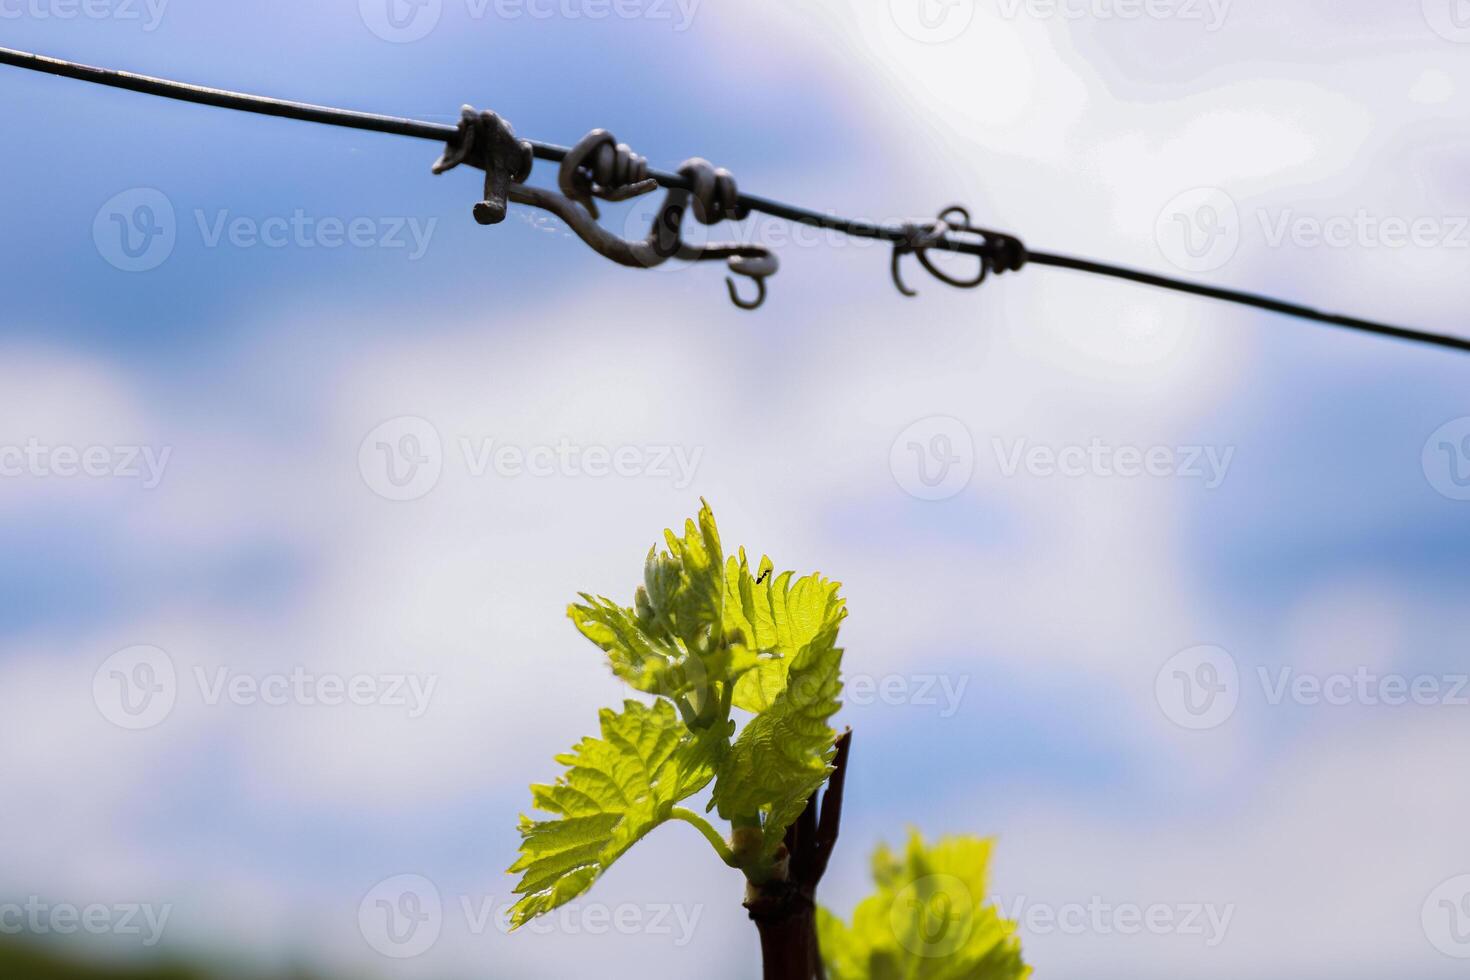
{"x": 1326, "y": 856}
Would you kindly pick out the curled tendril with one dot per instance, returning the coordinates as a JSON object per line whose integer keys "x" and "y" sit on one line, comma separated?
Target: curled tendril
{"x": 998, "y": 253}
{"x": 716, "y": 196}
{"x": 599, "y": 167}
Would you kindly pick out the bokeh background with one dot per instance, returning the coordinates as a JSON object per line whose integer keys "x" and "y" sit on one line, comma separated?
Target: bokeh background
{"x": 281, "y": 389}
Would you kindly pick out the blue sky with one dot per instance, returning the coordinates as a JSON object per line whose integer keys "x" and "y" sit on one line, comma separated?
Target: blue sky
{"x": 1334, "y": 543}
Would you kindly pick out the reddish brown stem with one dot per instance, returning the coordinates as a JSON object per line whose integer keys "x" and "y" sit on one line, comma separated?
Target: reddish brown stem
{"x": 786, "y": 920}
{"x": 784, "y": 911}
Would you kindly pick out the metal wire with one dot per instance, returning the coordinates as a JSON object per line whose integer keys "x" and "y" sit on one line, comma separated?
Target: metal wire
{"x": 1250, "y": 299}
{"x": 900, "y": 235}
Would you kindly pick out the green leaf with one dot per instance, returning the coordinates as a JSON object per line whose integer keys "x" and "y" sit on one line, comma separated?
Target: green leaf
{"x": 684, "y": 587}
{"x": 782, "y": 756}
{"x": 775, "y": 619}
{"x": 616, "y": 789}
{"x": 671, "y": 641}
{"x": 927, "y": 921}
{"x": 643, "y": 658}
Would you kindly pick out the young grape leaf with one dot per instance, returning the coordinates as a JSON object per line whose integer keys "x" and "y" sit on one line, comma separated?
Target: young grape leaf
{"x": 928, "y": 919}
{"x": 643, "y": 658}
{"x": 671, "y": 641}
{"x": 684, "y": 587}
{"x": 776, "y": 620}
{"x": 781, "y": 757}
{"x": 615, "y": 790}
{"x": 707, "y": 635}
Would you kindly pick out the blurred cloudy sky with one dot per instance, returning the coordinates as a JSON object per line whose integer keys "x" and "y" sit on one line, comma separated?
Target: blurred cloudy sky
{"x": 1066, "y": 614}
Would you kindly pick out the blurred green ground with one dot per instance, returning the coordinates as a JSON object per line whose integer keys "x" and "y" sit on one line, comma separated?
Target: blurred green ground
{"x": 24, "y": 960}
{"x": 28, "y": 961}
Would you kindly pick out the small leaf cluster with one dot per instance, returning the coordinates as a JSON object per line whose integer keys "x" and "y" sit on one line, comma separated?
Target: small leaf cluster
{"x": 707, "y": 636}
{"x": 927, "y": 919}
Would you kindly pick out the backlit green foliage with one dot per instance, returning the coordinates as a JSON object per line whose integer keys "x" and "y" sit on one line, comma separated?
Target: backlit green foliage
{"x": 927, "y": 921}
{"x": 706, "y": 635}
{"x": 615, "y": 790}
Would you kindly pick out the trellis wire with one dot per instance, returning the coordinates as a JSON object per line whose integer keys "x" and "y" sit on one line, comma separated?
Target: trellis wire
{"x": 899, "y": 235}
